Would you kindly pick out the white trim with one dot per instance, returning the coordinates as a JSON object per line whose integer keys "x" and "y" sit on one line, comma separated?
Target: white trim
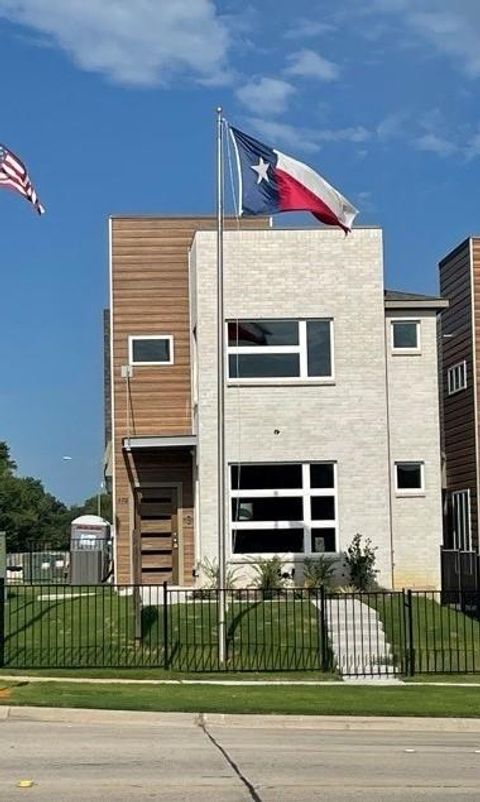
{"x": 306, "y": 492}
{"x": 301, "y": 349}
{"x": 284, "y": 492}
{"x": 460, "y": 370}
{"x": 303, "y": 346}
{"x": 462, "y": 514}
{"x": 404, "y": 351}
{"x": 410, "y": 491}
{"x": 133, "y": 337}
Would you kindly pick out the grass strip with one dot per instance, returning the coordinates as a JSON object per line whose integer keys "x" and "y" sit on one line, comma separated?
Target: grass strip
{"x": 408, "y": 700}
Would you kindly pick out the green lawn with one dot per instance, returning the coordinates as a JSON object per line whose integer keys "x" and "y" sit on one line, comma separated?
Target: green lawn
{"x": 410, "y": 700}
{"x": 444, "y": 640}
{"x": 57, "y": 628}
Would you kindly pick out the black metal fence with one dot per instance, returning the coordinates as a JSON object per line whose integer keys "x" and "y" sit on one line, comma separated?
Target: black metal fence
{"x": 460, "y": 572}
{"x": 382, "y": 633}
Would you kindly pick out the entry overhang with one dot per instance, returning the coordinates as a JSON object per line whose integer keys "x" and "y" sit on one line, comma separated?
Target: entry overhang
{"x": 175, "y": 441}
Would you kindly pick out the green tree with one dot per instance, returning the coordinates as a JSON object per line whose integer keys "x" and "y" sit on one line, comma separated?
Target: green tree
{"x": 28, "y": 514}
{"x": 91, "y": 507}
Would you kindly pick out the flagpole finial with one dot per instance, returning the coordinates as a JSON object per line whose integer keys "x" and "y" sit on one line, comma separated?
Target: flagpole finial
{"x": 219, "y": 109}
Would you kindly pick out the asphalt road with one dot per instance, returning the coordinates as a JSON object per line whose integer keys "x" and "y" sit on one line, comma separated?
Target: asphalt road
{"x": 121, "y": 762}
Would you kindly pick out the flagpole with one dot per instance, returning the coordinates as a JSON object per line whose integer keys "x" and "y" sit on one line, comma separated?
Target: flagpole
{"x": 220, "y": 396}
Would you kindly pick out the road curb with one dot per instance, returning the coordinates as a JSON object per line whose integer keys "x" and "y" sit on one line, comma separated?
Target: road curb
{"x": 326, "y": 723}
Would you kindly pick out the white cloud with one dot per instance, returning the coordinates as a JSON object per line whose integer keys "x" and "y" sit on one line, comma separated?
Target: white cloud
{"x": 306, "y": 139}
{"x": 452, "y": 28}
{"x": 354, "y": 134}
{"x": 308, "y": 29}
{"x": 472, "y": 150}
{"x": 392, "y": 125}
{"x": 139, "y": 43}
{"x": 280, "y": 134}
{"x": 308, "y": 64}
{"x": 266, "y": 95}
{"x": 435, "y": 144}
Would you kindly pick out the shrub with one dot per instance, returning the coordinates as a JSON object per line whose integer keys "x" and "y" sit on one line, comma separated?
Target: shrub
{"x": 318, "y": 572}
{"x": 269, "y": 577}
{"x": 211, "y": 569}
{"x": 360, "y": 560}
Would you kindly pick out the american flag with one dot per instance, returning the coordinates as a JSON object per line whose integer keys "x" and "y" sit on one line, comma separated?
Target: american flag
{"x": 13, "y": 174}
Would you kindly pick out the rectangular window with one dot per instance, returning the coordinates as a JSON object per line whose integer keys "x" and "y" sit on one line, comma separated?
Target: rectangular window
{"x": 280, "y": 349}
{"x": 150, "y": 350}
{"x": 461, "y": 520}
{"x": 409, "y": 477}
{"x": 286, "y": 507}
{"x": 406, "y": 336}
{"x": 457, "y": 378}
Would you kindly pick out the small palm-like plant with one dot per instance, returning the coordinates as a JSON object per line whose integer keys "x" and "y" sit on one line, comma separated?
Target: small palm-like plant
{"x": 318, "y": 572}
{"x": 269, "y": 578}
{"x": 212, "y": 572}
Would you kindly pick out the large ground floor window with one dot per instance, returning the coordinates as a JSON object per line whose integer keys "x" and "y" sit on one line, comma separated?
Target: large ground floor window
{"x": 284, "y": 507}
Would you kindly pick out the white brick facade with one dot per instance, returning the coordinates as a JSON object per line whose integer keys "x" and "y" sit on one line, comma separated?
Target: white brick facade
{"x": 321, "y": 273}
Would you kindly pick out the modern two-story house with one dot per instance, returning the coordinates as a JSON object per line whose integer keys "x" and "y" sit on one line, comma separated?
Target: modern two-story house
{"x": 331, "y": 402}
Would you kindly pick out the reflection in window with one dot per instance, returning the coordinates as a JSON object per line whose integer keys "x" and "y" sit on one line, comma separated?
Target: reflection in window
{"x": 283, "y": 349}
{"x": 283, "y": 508}
{"x": 405, "y": 334}
{"x": 409, "y": 476}
{"x": 151, "y": 350}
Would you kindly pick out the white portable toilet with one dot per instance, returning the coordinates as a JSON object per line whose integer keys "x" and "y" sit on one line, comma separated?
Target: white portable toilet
{"x": 89, "y": 550}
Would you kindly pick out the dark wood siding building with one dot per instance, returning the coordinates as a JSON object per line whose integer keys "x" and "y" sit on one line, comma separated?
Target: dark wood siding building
{"x": 459, "y": 338}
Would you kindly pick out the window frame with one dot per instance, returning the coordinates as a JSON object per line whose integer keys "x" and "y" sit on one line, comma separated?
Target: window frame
{"x": 301, "y": 350}
{"x": 133, "y": 337}
{"x": 452, "y": 386}
{"x": 463, "y": 511}
{"x": 306, "y": 493}
{"x": 398, "y": 350}
{"x": 410, "y": 491}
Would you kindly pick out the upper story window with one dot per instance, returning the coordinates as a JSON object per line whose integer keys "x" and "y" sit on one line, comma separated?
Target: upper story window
{"x": 280, "y": 349}
{"x": 150, "y": 349}
{"x": 284, "y": 507}
{"x": 406, "y": 336}
{"x": 457, "y": 378}
{"x": 409, "y": 478}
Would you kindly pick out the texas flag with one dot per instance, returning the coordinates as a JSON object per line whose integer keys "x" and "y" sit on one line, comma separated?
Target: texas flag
{"x": 271, "y": 182}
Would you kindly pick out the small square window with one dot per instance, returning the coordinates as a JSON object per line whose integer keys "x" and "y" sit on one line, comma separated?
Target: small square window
{"x": 151, "y": 350}
{"x": 405, "y": 335}
{"x": 409, "y": 477}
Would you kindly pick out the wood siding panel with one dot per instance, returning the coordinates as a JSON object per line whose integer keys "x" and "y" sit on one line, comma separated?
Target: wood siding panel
{"x": 458, "y": 410}
{"x": 150, "y": 295}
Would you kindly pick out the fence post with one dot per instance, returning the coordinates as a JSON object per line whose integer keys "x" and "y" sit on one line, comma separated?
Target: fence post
{"x": 324, "y": 637}
{"x": 165, "y": 626}
{"x": 411, "y": 644}
{"x": 2, "y": 621}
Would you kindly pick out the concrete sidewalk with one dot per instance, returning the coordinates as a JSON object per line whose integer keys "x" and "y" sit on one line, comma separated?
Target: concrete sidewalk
{"x": 328, "y": 723}
{"x": 346, "y": 681}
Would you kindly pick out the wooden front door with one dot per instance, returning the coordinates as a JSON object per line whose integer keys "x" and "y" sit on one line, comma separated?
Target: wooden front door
{"x": 157, "y": 535}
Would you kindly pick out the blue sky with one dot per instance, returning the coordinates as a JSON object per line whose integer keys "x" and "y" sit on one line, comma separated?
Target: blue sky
{"x": 111, "y": 104}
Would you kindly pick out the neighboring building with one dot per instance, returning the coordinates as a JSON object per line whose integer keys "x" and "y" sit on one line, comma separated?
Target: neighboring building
{"x": 460, "y": 335}
{"x": 331, "y": 402}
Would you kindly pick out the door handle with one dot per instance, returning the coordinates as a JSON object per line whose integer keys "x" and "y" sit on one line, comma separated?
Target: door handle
{"x": 174, "y": 540}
